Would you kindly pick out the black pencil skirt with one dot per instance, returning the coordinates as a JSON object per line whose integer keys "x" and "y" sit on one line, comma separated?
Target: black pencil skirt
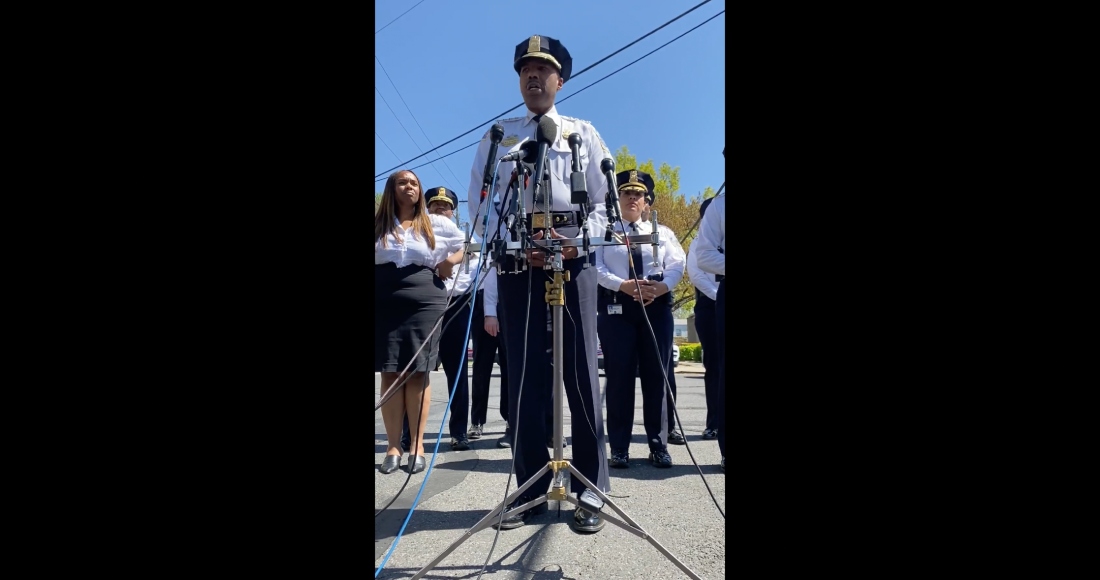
{"x": 408, "y": 302}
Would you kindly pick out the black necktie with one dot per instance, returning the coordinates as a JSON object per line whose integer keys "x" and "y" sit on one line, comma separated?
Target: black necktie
{"x": 635, "y": 254}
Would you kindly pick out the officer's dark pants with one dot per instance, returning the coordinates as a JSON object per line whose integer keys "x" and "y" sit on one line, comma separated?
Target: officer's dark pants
{"x": 582, "y": 389}
{"x": 485, "y": 349}
{"x": 720, "y": 316}
{"x": 670, "y": 402}
{"x": 452, "y": 353}
{"x": 707, "y": 328}
{"x": 627, "y": 345}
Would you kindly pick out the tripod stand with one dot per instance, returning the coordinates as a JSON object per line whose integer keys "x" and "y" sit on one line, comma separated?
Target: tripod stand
{"x": 555, "y": 297}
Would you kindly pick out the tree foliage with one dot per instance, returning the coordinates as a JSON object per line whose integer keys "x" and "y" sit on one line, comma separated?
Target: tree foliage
{"x": 673, "y": 210}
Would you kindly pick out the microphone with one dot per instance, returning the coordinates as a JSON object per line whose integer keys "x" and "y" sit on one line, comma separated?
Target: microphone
{"x": 496, "y": 133}
{"x": 579, "y": 193}
{"x": 524, "y": 153}
{"x": 656, "y": 236}
{"x": 545, "y": 134}
{"x": 612, "y": 198}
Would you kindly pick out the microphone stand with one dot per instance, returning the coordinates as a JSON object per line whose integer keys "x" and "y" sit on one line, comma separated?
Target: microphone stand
{"x": 592, "y": 499}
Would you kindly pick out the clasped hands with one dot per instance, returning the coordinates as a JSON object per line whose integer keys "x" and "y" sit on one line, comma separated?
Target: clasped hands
{"x": 644, "y": 291}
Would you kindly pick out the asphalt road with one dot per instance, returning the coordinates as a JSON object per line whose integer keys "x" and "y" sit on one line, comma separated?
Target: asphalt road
{"x": 672, "y": 505}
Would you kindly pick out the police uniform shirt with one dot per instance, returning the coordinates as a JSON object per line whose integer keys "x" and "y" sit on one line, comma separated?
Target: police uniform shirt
{"x": 704, "y": 282}
{"x": 489, "y": 300}
{"x": 613, "y": 262}
{"x": 560, "y": 166}
{"x": 411, "y": 249}
{"x": 460, "y": 281}
{"x": 712, "y": 236}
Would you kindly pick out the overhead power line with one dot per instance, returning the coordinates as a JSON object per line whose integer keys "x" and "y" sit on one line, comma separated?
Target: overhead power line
{"x": 693, "y": 8}
{"x": 458, "y": 181}
{"x": 377, "y": 179}
{"x": 399, "y": 17}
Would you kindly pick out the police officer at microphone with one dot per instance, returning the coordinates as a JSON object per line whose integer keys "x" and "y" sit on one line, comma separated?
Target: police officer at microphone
{"x": 635, "y": 287}
{"x": 709, "y": 248}
{"x": 543, "y": 65}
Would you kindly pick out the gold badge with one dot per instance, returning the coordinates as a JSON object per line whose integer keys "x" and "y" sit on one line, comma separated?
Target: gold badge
{"x": 533, "y": 44}
{"x": 633, "y": 176}
{"x": 443, "y": 191}
{"x": 510, "y": 140}
{"x": 565, "y": 134}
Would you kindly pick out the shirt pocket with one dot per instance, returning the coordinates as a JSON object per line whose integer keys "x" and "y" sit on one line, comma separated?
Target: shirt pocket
{"x": 560, "y": 158}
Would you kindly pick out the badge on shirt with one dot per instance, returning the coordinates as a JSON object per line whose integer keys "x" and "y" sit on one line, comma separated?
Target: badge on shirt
{"x": 614, "y": 308}
{"x": 510, "y": 140}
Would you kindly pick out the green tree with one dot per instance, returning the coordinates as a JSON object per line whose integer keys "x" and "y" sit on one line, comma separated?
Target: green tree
{"x": 673, "y": 210}
{"x": 377, "y": 200}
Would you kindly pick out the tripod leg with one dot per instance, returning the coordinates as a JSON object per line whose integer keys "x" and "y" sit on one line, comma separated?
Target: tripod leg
{"x": 630, "y": 525}
{"x": 488, "y": 520}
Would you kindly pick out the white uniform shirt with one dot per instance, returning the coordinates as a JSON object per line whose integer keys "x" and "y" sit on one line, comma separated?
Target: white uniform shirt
{"x": 712, "y": 235}
{"x": 703, "y": 281}
{"x": 461, "y": 281}
{"x": 560, "y": 165}
{"x": 613, "y": 262}
{"x": 413, "y": 250}
{"x": 490, "y": 297}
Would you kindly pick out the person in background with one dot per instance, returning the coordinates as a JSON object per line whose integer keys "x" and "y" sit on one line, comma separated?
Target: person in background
{"x": 635, "y": 297}
{"x": 706, "y": 324}
{"x": 414, "y": 252}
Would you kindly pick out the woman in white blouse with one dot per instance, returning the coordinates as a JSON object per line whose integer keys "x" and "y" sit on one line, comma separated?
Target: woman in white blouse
{"x": 413, "y": 252}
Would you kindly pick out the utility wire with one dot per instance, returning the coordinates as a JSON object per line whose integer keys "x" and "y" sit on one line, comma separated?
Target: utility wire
{"x": 560, "y": 101}
{"x": 386, "y": 172}
{"x": 415, "y": 144}
{"x": 384, "y": 143}
{"x": 425, "y": 133}
{"x": 399, "y": 17}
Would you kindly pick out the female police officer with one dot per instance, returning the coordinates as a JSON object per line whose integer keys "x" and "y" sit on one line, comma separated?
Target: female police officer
{"x": 634, "y": 287}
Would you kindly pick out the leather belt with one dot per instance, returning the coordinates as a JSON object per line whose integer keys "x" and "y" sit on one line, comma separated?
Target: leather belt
{"x": 559, "y": 219}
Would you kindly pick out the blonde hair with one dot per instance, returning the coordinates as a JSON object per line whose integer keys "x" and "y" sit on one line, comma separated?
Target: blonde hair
{"x": 387, "y": 212}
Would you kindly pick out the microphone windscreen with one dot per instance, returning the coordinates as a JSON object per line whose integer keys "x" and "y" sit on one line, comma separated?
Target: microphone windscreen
{"x": 547, "y": 130}
{"x": 496, "y": 133}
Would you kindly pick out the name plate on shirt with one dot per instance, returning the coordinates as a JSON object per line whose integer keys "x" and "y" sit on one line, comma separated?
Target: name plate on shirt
{"x": 614, "y": 308}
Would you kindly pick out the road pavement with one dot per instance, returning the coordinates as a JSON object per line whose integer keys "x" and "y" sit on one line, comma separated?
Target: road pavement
{"x": 672, "y": 505}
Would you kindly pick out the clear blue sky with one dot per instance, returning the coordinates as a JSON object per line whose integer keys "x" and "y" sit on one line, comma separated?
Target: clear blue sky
{"x": 451, "y": 62}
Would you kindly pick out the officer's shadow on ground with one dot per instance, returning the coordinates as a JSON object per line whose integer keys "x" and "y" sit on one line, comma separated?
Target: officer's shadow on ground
{"x": 433, "y": 520}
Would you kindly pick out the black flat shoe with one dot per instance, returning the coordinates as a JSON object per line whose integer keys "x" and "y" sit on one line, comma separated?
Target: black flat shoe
{"x": 709, "y": 434}
{"x": 460, "y": 444}
{"x": 416, "y": 463}
{"x": 505, "y": 441}
{"x": 390, "y": 464}
{"x": 586, "y": 522}
{"x": 516, "y": 520}
{"x": 660, "y": 458}
{"x": 676, "y": 438}
{"x": 619, "y": 459}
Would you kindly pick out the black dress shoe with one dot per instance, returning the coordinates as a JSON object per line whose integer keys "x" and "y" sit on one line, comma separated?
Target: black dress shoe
{"x": 564, "y": 443}
{"x": 505, "y": 441}
{"x": 416, "y": 463}
{"x": 709, "y": 434}
{"x": 660, "y": 457}
{"x": 475, "y": 431}
{"x": 518, "y": 519}
{"x": 619, "y": 459}
{"x": 460, "y": 444}
{"x": 390, "y": 464}
{"x": 586, "y": 522}
{"x": 676, "y": 438}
